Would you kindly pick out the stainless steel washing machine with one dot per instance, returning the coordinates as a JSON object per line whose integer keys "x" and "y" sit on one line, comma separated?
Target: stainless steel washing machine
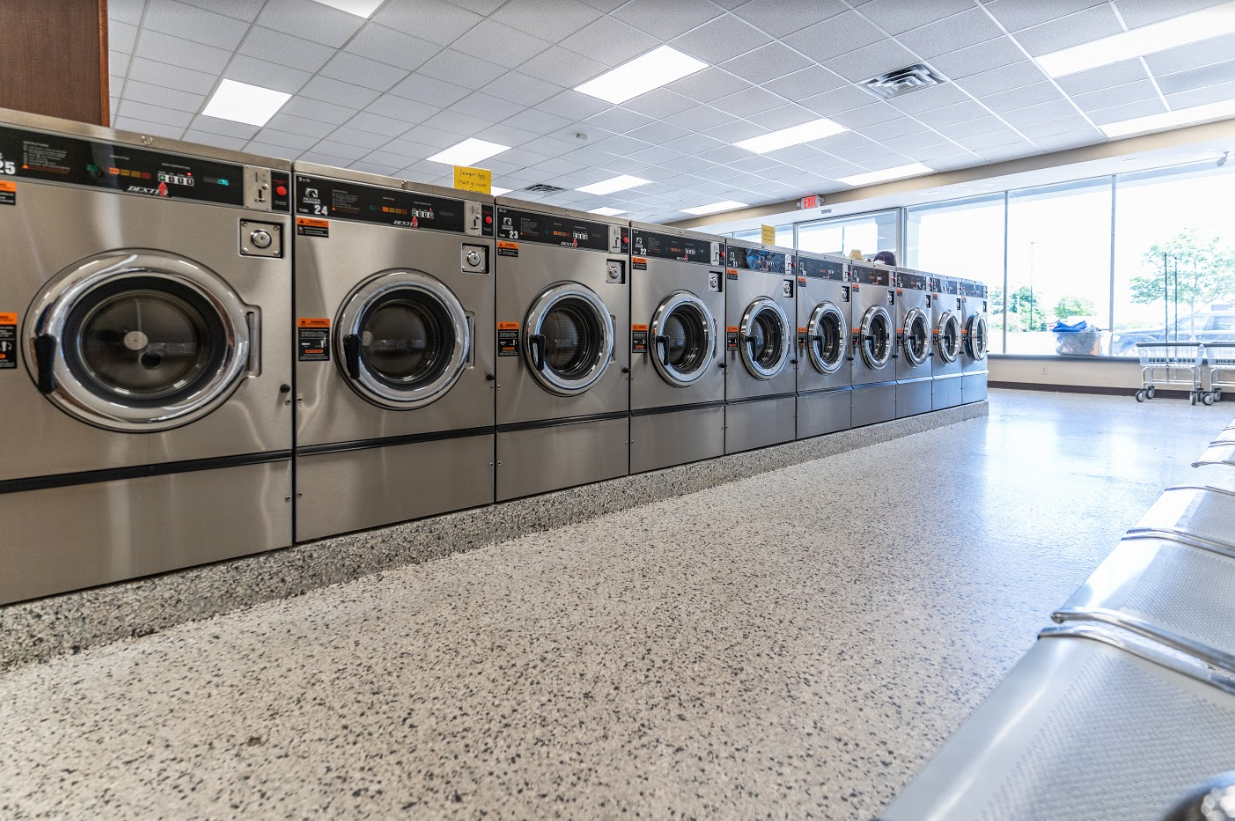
{"x": 913, "y": 343}
{"x": 394, "y": 350}
{"x": 145, "y": 364}
{"x": 760, "y": 383}
{"x": 872, "y": 342}
{"x": 946, "y": 315}
{"x": 563, "y": 387}
{"x": 974, "y": 340}
{"x": 677, "y": 378}
{"x": 824, "y": 393}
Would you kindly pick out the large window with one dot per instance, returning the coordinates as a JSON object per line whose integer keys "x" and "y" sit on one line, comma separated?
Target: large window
{"x": 784, "y": 235}
{"x": 1174, "y": 256}
{"x": 867, "y": 234}
{"x": 962, "y": 238}
{"x": 1059, "y": 265}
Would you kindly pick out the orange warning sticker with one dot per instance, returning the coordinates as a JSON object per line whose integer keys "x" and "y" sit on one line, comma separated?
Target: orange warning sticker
{"x": 507, "y": 249}
{"x": 802, "y": 330}
{"x": 8, "y": 192}
{"x": 308, "y": 322}
{"x": 508, "y": 326}
{"x": 8, "y": 341}
{"x": 8, "y": 319}
{"x": 638, "y": 327}
{"x": 801, "y": 280}
{"x": 732, "y": 329}
{"x": 8, "y": 187}
{"x": 309, "y": 227}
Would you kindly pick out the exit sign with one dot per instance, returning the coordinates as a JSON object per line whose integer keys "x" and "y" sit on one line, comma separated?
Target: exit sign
{"x": 813, "y": 201}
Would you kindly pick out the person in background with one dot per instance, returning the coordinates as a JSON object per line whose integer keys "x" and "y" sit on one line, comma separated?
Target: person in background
{"x": 885, "y": 258}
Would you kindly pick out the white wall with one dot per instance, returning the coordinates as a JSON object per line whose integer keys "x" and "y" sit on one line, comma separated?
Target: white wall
{"x": 1067, "y": 372}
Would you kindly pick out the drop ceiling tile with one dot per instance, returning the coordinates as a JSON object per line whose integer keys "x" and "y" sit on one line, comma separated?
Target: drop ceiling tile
{"x": 428, "y": 135}
{"x": 256, "y": 72}
{"x": 1040, "y": 113}
{"x": 781, "y": 17}
{"x": 227, "y": 128}
{"x": 164, "y": 48}
{"x": 361, "y": 139}
{"x": 661, "y": 103}
{"x": 1127, "y": 111}
{"x": 956, "y": 113}
{"x": 539, "y": 122}
{"x": 1185, "y": 99}
{"x": 694, "y": 144}
{"x": 457, "y": 122}
{"x": 285, "y": 139}
{"x": 834, "y": 37}
{"x": 171, "y": 17}
{"x": 551, "y": 20}
{"x": 658, "y": 133}
{"x": 557, "y": 166}
{"x": 667, "y": 20}
{"x": 929, "y": 99}
{"x": 692, "y": 163}
{"x": 975, "y": 128}
{"x": 391, "y": 47}
{"x": 435, "y": 20}
{"x": 1137, "y": 13}
{"x": 618, "y": 120}
{"x": 573, "y": 105}
{"x": 155, "y": 114}
{"x": 590, "y": 157}
{"x": 897, "y": 16}
{"x": 485, "y": 7}
{"x": 425, "y": 89}
{"x": 1065, "y": 32}
{"x": 318, "y": 110}
{"x": 609, "y": 41}
{"x": 620, "y": 145}
{"x": 735, "y": 131}
{"x": 724, "y": 154}
{"x": 655, "y": 155}
{"x": 487, "y": 107}
{"x": 409, "y": 149}
{"x": 163, "y": 97}
{"x": 552, "y": 146}
{"x": 1070, "y": 139}
{"x": 565, "y": 68}
{"x": 246, "y": 10}
{"x": 914, "y": 142}
{"x": 312, "y": 21}
{"x": 1100, "y": 79}
{"x": 699, "y": 118}
{"x": 523, "y": 158}
{"x": 708, "y": 85}
{"x": 121, "y": 37}
{"x": 747, "y": 103}
{"x": 624, "y": 165}
{"x": 1022, "y": 97}
{"x": 338, "y": 93}
{"x": 126, "y": 11}
{"x": 1118, "y": 95}
{"x": 979, "y": 58}
{"x": 522, "y": 89}
{"x": 721, "y": 39}
{"x": 1016, "y": 15}
{"x": 766, "y": 63}
{"x": 456, "y": 67}
{"x": 368, "y": 166}
{"x": 1005, "y": 78}
{"x": 147, "y": 127}
{"x": 831, "y": 103}
{"x": 276, "y": 47}
{"x": 871, "y": 155}
{"x": 951, "y": 34}
{"x": 1196, "y": 55}
{"x": 1051, "y": 127}
{"x": 376, "y": 124}
{"x": 503, "y": 134}
{"x": 862, "y": 119}
{"x": 361, "y": 71}
{"x": 502, "y": 44}
{"x": 400, "y": 108}
{"x": 117, "y": 67}
{"x": 785, "y": 116}
{"x": 262, "y": 149}
{"x": 871, "y": 61}
{"x": 805, "y": 83}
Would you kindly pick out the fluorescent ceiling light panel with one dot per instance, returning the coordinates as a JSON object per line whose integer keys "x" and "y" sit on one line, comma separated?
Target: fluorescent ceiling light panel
{"x": 497, "y": 190}
{"x": 360, "y": 8}
{"x": 714, "y": 208}
{"x": 1178, "y": 31}
{"x": 794, "y": 135}
{"x": 1171, "y": 119}
{"x": 872, "y": 177}
{"x": 468, "y": 152}
{"x": 607, "y": 212}
{"x": 658, "y": 67}
{"x": 616, "y": 184}
{"x": 243, "y": 103}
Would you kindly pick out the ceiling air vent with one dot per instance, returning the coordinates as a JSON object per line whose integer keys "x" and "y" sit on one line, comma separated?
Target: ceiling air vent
{"x": 542, "y": 188}
{"x": 903, "y": 81}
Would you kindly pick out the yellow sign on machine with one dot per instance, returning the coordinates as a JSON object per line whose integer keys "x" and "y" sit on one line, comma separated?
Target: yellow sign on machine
{"x": 479, "y": 180}
{"x": 769, "y": 235}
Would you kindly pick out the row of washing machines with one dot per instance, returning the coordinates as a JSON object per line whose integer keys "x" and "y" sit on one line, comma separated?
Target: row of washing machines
{"x": 205, "y": 355}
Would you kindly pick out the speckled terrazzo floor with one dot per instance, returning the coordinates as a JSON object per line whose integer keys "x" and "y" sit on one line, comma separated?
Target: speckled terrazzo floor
{"x": 793, "y": 645}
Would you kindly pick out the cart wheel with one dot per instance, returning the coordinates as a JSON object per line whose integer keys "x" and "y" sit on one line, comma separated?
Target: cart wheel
{"x": 1208, "y": 398}
{"x": 1217, "y": 394}
{"x": 1192, "y": 396}
{"x": 1150, "y": 393}
{"x": 1140, "y": 396}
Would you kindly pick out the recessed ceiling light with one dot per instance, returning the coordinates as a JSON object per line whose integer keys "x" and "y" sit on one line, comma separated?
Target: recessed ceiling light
{"x": 360, "y": 8}
{"x": 616, "y": 184}
{"x": 658, "y": 67}
{"x": 607, "y": 212}
{"x": 467, "y": 152}
{"x": 497, "y": 190}
{"x": 911, "y": 170}
{"x": 1171, "y": 119}
{"x": 1178, "y": 31}
{"x": 243, "y": 103}
{"x": 794, "y": 135}
{"x": 714, "y": 208}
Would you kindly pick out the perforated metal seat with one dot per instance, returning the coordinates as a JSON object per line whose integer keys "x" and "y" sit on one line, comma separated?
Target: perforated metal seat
{"x": 1205, "y": 515}
{"x": 1218, "y": 453}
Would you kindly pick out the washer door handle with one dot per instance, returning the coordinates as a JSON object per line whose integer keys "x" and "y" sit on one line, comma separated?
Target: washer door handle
{"x": 45, "y": 358}
{"x": 538, "y": 343}
{"x": 662, "y": 348}
{"x": 351, "y": 355}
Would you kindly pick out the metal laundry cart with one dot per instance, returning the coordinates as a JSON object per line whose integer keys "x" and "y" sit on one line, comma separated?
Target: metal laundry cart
{"x": 1220, "y": 357}
{"x": 1172, "y": 363}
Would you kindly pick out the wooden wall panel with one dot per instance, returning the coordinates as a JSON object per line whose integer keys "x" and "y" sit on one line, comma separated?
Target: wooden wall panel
{"x": 53, "y": 58}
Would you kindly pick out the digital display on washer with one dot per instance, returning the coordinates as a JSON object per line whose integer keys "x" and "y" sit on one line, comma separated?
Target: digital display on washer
{"x": 912, "y": 282}
{"x": 869, "y": 275}
{"x": 821, "y": 268}
{"x": 944, "y": 285}
{"x": 667, "y": 246}
{"x": 33, "y": 155}
{"x": 973, "y": 289}
{"x": 549, "y": 229}
{"x": 322, "y": 197}
{"x": 756, "y": 259}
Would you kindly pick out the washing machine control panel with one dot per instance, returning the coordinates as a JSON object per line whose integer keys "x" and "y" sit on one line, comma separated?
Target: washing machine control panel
{"x": 676, "y": 248}
{"x": 326, "y": 198}
{"x": 516, "y": 225}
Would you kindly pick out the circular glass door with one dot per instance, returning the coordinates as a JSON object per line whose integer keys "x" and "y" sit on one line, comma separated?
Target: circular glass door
{"x": 682, "y": 336}
{"x": 917, "y": 337}
{"x": 139, "y": 341}
{"x": 975, "y": 337}
{"x": 826, "y": 338}
{"x": 875, "y": 337}
{"x": 403, "y": 339}
{"x": 948, "y": 337}
{"x": 763, "y": 338}
{"x": 568, "y": 342}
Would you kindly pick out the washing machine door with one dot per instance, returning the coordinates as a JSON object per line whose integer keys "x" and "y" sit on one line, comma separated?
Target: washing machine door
{"x": 763, "y": 338}
{"x": 683, "y": 335}
{"x": 976, "y": 337}
{"x": 140, "y": 340}
{"x": 825, "y": 340}
{"x": 569, "y": 336}
{"x": 403, "y": 340}
{"x": 874, "y": 340}
{"x": 916, "y": 337}
{"x": 948, "y": 337}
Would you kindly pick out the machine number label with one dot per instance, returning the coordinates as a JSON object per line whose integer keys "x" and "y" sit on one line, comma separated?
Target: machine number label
{"x": 508, "y": 339}
{"x": 638, "y": 338}
{"x": 307, "y": 227}
{"x": 8, "y": 341}
{"x": 8, "y": 193}
{"x": 313, "y": 340}
{"x": 507, "y": 249}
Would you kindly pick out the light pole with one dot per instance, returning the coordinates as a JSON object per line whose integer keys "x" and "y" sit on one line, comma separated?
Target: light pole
{"x": 1033, "y": 301}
